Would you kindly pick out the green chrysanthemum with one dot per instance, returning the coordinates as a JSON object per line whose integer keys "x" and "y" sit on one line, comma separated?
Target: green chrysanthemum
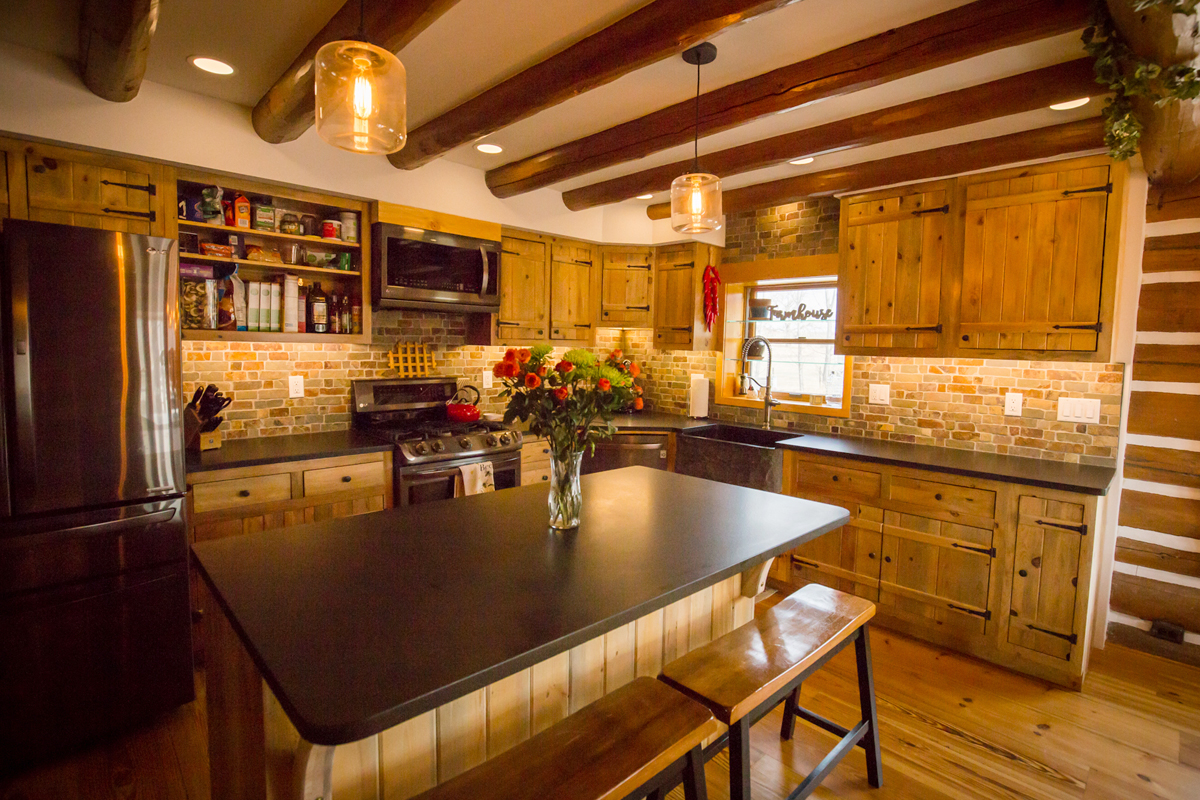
{"x": 540, "y": 350}
{"x": 580, "y": 357}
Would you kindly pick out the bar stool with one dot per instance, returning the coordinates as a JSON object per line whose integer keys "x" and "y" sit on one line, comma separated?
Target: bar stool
{"x": 634, "y": 742}
{"x": 747, "y": 672}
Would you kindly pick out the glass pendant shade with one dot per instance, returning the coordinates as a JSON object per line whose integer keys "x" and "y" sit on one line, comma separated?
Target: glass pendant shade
{"x": 361, "y": 97}
{"x": 696, "y": 203}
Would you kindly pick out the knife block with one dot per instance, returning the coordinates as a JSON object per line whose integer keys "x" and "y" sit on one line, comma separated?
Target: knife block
{"x": 193, "y": 438}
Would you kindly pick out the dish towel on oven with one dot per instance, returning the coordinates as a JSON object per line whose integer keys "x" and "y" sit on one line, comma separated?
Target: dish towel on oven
{"x": 475, "y": 479}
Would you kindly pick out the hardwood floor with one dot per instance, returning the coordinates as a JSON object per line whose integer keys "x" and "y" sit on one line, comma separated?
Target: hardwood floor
{"x": 953, "y": 728}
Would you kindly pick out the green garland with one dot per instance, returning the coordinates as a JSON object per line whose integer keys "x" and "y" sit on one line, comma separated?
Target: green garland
{"x": 1129, "y": 76}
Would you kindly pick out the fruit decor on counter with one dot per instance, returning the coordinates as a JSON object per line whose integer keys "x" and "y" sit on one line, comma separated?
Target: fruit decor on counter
{"x": 571, "y": 403}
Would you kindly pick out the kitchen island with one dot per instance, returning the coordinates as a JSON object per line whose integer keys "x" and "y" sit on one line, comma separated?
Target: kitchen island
{"x": 400, "y": 648}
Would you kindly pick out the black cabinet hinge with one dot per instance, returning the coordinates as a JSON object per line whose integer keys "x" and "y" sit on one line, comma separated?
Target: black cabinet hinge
{"x": 148, "y": 188}
{"x": 981, "y": 614}
{"x": 987, "y": 551}
{"x": 1072, "y": 638}
{"x": 931, "y": 328}
{"x": 1095, "y": 326}
{"x": 1106, "y": 188}
{"x": 150, "y": 215}
{"x": 1080, "y": 529}
{"x": 942, "y": 210}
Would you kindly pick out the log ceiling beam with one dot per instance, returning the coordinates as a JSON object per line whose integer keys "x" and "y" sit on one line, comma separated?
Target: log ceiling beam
{"x": 1040, "y": 143}
{"x": 658, "y": 30}
{"x": 288, "y": 109}
{"x": 971, "y": 30}
{"x": 114, "y": 43}
{"x": 1028, "y": 91}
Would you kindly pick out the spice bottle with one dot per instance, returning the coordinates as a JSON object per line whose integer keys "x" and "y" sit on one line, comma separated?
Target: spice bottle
{"x": 318, "y": 310}
{"x": 345, "y": 313}
{"x": 356, "y": 315}
{"x": 335, "y": 315}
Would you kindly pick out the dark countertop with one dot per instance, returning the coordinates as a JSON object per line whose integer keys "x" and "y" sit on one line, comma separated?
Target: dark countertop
{"x": 1015, "y": 469}
{"x": 653, "y": 420}
{"x": 270, "y": 449}
{"x": 361, "y": 623}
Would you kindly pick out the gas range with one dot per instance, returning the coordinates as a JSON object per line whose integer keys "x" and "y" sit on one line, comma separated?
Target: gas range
{"x": 411, "y": 414}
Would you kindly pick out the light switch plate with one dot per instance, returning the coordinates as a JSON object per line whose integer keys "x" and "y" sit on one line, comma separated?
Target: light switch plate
{"x": 487, "y": 378}
{"x": 1012, "y": 404}
{"x": 1078, "y": 409}
{"x": 295, "y": 386}
{"x": 880, "y": 394}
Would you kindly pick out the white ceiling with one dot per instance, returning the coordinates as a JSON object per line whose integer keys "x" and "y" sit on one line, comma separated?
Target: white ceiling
{"x": 480, "y": 42}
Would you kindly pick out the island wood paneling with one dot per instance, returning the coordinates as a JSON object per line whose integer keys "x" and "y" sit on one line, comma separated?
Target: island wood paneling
{"x": 410, "y": 758}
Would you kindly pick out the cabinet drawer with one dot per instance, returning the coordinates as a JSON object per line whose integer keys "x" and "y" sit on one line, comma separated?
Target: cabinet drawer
{"x": 943, "y": 496}
{"x": 242, "y": 492}
{"x": 665, "y": 336}
{"x": 821, "y": 478}
{"x": 342, "y": 479}
{"x": 538, "y": 475}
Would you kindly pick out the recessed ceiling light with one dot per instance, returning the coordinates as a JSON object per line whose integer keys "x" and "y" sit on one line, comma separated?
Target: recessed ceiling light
{"x": 490, "y": 149}
{"x": 645, "y": 197}
{"x": 799, "y": 162}
{"x": 211, "y": 65}
{"x": 1067, "y": 106}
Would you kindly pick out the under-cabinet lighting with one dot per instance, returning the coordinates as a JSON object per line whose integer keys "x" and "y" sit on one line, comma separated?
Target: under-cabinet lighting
{"x": 490, "y": 149}
{"x": 1067, "y": 106}
{"x": 645, "y": 197}
{"x": 215, "y": 66}
{"x": 799, "y": 162}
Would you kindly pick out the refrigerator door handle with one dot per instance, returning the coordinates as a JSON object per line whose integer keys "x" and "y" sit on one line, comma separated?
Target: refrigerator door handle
{"x": 116, "y": 525}
{"x": 26, "y": 463}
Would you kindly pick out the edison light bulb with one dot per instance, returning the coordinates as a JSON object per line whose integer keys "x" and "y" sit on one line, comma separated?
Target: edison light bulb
{"x": 360, "y": 97}
{"x": 697, "y": 201}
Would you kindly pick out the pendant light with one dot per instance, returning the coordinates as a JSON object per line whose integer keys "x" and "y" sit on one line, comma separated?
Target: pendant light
{"x": 360, "y": 90}
{"x": 696, "y": 196}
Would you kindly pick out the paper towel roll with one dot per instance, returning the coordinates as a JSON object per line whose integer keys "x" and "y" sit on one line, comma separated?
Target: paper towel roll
{"x": 698, "y": 396}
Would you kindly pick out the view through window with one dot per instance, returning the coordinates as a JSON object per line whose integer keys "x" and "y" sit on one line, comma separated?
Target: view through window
{"x": 799, "y": 321}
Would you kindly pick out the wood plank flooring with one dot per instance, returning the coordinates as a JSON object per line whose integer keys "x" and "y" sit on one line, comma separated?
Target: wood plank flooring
{"x": 953, "y": 728}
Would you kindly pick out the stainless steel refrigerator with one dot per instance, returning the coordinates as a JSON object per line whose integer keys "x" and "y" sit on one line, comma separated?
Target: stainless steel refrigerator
{"x": 94, "y": 614}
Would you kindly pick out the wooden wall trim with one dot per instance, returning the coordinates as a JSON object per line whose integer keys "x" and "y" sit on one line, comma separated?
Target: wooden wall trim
{"x": 1156, "y": 556}
{"x": 1177, "y": 516}
{"x": 1150, "y": 600}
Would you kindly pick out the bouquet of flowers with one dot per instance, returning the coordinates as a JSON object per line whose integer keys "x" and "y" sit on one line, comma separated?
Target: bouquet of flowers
{"x": 571, "y": 402}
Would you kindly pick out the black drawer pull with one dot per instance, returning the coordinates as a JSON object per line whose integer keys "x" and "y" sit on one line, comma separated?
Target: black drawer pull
{"x": 346, "y": 479}
{"x": 1023, "y": 573}
{"x": 1072, "y": 638}
{"x": 1080, "y": 529}
{"x": 987, "y": 551}
{"x": 972, "y": 612}
{"x": 244, "y": 493}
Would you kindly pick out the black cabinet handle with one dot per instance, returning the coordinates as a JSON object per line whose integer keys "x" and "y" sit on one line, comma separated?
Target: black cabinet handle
{"x": 244, "y": 493}
{"x": 937, "y": 496}
{"x": 346, "y": 479}
{"x": 870, "y": 555}
{"x": 1023, "y": 573}
{"x": 888, "y": 559}
{"x": 835, "y": 478}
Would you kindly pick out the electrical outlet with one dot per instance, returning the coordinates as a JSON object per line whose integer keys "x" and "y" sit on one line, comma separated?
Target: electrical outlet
{"x": 1012, "y": 404}
{"x": 1078, "y": 409}
{"x": 295, "y": 386}
{"x": 487, "y": 377}
{"x": 880, "y": 394}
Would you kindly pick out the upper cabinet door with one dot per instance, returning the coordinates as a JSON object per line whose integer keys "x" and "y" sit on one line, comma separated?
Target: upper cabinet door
{"x": 1033, "y": 261}
{"x": 92, "y": 190}
{"x": 890, "y": 274}
{"x": 674, "y": 299}
{"x": 626, "y": 290}
{"x": 522, "y": 289}
{"x": 571, "y": 307}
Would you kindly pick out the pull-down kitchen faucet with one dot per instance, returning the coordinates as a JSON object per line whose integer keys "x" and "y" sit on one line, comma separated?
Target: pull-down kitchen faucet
{"x": 747, "y": 378}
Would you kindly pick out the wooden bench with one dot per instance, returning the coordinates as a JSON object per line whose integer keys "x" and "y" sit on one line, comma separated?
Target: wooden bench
{"x": 631, "y": 743}
{"x": 747, "y": 672}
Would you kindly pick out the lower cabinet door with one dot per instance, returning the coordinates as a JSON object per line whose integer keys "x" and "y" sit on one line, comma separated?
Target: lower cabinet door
{"x": 848, "y": 558}
{"x": 936, "y": 569}
{"x": 1046, "y": 575}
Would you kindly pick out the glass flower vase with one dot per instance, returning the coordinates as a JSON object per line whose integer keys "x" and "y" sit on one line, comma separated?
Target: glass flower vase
{"x": 566, "y": 497}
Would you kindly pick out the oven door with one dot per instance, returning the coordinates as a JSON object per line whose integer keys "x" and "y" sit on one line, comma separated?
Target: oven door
{"x": 425, "y": 484}
{"x": 428, "y": 269}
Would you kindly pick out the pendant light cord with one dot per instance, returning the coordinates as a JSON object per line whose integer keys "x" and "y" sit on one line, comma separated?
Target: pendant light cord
{"x": 696, "y": 140}
{"x": 362, "y": 26}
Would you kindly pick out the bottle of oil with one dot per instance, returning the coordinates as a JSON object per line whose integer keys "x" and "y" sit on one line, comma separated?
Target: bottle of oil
{"x": 318, "y": 310}
{"x": 335, "y": 314}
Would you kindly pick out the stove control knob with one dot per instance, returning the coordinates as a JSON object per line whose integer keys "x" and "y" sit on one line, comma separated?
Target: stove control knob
{"x": 465, "y": 443}
{"x": 437, "y": 447}
{"x": 419, "y": 448}
{"x": 504, "y": 438}
{"x": 491, "y": 440}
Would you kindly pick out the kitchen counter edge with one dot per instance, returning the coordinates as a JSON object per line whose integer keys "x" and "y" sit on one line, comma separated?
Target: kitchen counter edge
{"x": 261, "y": 450}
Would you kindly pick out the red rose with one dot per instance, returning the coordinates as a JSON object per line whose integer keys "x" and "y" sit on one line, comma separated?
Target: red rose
{"x": 637, "y": 390}
{"x": 638, "y": 404}
{"x": 512, "y": 369}
{"x": 542, "y": 370}
{"x": 603, "y": 384}
{"x": 635, "y": 370}
{"x": 524, "y": 355}
{"x": 532, "y": 381}
{"x": 564, "y": 367}
{"x": 500, "y": 369}
{"x": 510, "y": 355}
{"x": 615, "y": 355}
{"x": 560, "y": 394}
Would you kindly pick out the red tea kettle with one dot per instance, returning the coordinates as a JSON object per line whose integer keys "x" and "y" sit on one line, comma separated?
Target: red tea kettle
{"x": 459, "y": 409}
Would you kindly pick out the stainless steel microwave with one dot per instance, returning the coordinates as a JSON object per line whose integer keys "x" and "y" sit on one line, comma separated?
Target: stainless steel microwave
{"x": 416, "y": 268}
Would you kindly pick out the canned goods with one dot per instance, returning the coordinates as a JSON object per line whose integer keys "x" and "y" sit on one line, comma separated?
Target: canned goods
{"x": 331, "y": 229}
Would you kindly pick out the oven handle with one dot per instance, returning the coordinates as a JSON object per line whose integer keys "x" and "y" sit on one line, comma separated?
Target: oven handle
{"x": 431, "y": 475}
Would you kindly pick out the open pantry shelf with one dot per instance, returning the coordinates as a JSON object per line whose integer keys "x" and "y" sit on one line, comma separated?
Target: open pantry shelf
{"x": 191, "y": 334}
{"x": 291, "y": 237}
{"x": 268, "y": 265}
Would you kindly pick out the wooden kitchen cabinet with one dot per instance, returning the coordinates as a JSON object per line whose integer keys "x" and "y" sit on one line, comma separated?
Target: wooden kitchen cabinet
{"x": 626, "y": 286}
{"x": 1016, "y": 264}
{"x": 678, "y": 299}
{"x": 997, "y": 569}
{"x": 890, "y": 275}
{"x": 572, "y": 310}
{"x": 233, "y": 502}
{"x": 523, "y": 314}
{"x": 535, "y": 461}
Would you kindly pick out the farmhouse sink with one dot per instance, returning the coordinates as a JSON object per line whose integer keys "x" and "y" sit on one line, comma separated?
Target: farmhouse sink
{"x": 755, "y": 437}
{"x": 742, "y": 456}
